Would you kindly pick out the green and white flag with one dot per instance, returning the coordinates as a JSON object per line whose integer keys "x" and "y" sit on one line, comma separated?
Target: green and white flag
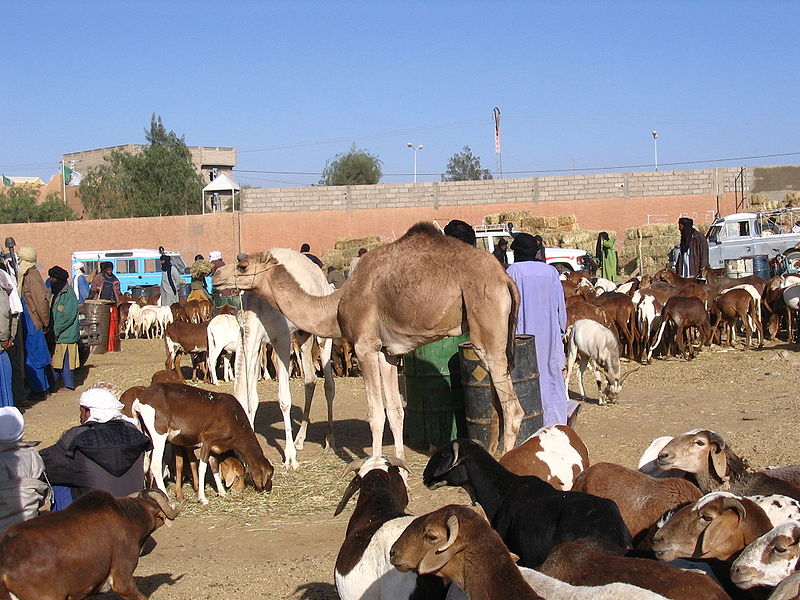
{"x": 7, "y": 182}
{"x": 71, "y": 176}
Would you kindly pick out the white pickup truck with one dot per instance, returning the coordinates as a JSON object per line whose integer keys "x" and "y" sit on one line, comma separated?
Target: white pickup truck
{"x": 563, "y": 259}
{"x": 764, "y": 233}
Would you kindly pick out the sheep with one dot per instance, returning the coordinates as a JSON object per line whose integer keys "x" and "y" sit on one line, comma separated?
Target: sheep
{"x": 641, "y": 499}
{"x": 90, "y": 547}
{"x": 223, "y": 336}
{"x": 595, "y": 346}
{"x": 738, "y": 304}
{"x": 718, "y": 526}
{"x": 555, "y": 454}
{"x": 788, "y": 589}
{"x": 778, "y": 508}
{"x": 529, "y": 514}
{"x": 188, "y": 416}
{"x": 457, "y": 544}
{"x": 716, "y": 467}
{"x": 363, "y": 570}
{"x": 588, "y": 562}
{"x": 770, "y": 558}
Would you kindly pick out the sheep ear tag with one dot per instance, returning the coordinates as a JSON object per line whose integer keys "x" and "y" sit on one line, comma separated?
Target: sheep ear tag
{"x": 514, "y": 557}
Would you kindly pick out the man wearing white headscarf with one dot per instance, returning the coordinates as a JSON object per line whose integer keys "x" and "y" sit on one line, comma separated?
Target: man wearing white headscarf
{"x": 80, "y": 285}
{"x": 22, "y": 491}
{"x": 104, "y": 452}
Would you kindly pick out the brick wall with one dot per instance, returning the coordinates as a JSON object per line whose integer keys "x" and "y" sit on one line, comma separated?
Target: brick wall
{"x": 287, "y": 217}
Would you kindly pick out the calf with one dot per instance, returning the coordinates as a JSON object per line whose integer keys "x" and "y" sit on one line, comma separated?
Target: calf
{"x": 188, "y": 416}
{"x": 90, "y": 547}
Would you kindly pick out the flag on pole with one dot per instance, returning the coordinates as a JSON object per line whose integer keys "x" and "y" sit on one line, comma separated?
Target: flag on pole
{"x": 71, "y": 176}
{"x": 7, "y": 182}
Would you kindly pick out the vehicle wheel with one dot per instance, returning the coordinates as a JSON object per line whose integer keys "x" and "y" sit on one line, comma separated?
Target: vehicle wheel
{"x": 563, "y": 268}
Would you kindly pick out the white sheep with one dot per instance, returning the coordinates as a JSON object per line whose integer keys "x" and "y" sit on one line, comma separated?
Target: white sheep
{"x": 223, "y": 336}
{"x": 769, "y": 559}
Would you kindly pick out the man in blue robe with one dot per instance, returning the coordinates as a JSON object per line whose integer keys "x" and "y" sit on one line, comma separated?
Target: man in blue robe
{"x": 543, "y": 314}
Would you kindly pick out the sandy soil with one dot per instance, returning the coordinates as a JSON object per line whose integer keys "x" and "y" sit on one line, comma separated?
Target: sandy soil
{"x": 284, "y": 544}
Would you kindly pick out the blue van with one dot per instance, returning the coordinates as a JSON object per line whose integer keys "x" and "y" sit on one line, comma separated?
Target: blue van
{"x": 134, "y": 267}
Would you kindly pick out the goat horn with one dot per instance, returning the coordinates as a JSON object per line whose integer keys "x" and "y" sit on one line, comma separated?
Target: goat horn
{"x": 399, "y": 462}
{"x": 168, "y": 509}
{"x": 452, "y": 528}
{"x": 353, "y": 465}
{"x": 625, "y": 375}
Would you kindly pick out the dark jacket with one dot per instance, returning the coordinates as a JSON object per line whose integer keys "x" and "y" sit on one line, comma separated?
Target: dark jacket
{"x": 698, "y": 255}
{"x": 103, "y": 456}
{"x": 500, "y": 254}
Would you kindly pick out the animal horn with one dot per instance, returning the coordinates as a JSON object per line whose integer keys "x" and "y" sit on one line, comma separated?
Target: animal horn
{"x": 353, "y": 465}
{"x": 452, "y": 528}
{"x": 400, "y": 463}
{"x": 625, "y": 375}
{"x": 164, "y": 504}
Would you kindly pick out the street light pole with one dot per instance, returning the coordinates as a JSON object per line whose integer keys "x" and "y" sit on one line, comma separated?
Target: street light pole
{"x": 655, "y": 146}
{"x": 420, "y": 147}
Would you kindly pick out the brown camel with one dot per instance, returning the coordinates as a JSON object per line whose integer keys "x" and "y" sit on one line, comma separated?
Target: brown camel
{"x": 419, "y": 289}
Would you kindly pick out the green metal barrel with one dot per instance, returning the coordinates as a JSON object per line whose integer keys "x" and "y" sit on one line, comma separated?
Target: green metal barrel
{"x": 477, "y": 390}
{"x": 434, "y": 407}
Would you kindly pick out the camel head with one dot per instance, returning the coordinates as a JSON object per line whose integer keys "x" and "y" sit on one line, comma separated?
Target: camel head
{"x": 245, "y": 274}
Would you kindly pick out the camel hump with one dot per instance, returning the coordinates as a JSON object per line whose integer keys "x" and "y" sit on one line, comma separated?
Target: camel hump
{"x": 423, "y": 228}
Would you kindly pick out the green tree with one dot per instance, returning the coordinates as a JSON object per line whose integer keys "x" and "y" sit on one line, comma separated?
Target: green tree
{"x": 463, "y": 166}
{"x": 53, "y": 209}
{"x": 18, "y": 204}
{"x": 356, "y": 167}
{"x": 159, "y": 180}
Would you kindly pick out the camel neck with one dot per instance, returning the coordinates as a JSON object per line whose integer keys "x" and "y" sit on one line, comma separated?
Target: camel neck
{"x": 315, "y": 314}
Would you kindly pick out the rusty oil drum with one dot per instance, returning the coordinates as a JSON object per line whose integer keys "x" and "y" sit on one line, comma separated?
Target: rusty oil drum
{"x": 95, "y": 324}
{"x": 477, "y": 390}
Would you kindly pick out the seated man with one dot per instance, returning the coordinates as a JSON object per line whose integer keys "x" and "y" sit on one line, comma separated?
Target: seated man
{"x": 22, "y": 491}
{"x": 105, "y": 452}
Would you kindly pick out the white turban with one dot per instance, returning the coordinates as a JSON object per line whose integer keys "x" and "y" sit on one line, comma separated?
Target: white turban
{"x": 102, "y": 404}
{"x": 215, "y": 255}
{"x": 12, "y": 425}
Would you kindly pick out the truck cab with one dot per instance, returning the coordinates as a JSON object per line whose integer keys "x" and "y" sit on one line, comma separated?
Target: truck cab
{"x": 563, "y": 259}
{"x": 746, "y": 235}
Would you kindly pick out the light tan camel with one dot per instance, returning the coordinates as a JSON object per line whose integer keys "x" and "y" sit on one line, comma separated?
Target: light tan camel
{"x": 414, "y": 291}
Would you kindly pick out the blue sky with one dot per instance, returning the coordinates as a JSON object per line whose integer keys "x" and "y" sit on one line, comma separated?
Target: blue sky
{"x": 580, "y": 84}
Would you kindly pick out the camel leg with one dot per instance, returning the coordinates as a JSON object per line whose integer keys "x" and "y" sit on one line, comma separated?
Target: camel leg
{"x": 370, "y": 369}
{"x": 326, "y": 347}
{"x": 497, "y": 365}
{"x": 394, "y": 402}
{"x": 283, "y": 350}
{"x": 309, "y": 384}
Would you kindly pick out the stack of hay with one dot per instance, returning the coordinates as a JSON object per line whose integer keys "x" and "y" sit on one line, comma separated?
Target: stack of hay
{"x": 556, "y": 232}
{"x": 656, "y": 241}
{"x": 346, "y": 249}
{"x": 764, "y": 202}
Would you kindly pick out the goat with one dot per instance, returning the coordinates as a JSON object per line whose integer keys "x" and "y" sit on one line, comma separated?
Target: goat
{"x": 555, "y": 454}
{"x": 343, "y": 359}
{"x": 185, "y": 338}
{"x": 363, "y": 570}
{"x": 90, "y": 547}
{"x": 230, "y": 469}
{"x": 770, "y": 558}
{"x": 595, "y": 346}
{"x": 717, "y": 526}
{"x": 529, "y": 514}
{"x": 588, "y": 562}
{"x": 684, "y": 313}
{"x": 621, "y": 312}
{"x": 779, "y": 508}
{"x": 188, "y": 416}
{"x": 734, "y": 305}
{"x": 578, "y": 308}
{"x": 717, "y": 467}
{"x": 223, "y": 336}
{"x": 641, "y": 499}
{"x": 458, "y": 545}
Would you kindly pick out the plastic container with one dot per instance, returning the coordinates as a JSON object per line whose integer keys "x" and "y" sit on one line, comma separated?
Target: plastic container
{"x": 434, "y": 403}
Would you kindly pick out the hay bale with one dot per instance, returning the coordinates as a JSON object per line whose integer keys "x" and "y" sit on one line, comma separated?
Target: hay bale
{"x": 759, "y": 199}
{"x": 334, "y": 258}
{"x": 366, "y": 242}
{"x": 792, "y": 199}
{"x": 652, "y": 230}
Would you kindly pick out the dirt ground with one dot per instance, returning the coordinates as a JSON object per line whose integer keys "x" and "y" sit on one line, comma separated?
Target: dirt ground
{"x": 284, "y": 544}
